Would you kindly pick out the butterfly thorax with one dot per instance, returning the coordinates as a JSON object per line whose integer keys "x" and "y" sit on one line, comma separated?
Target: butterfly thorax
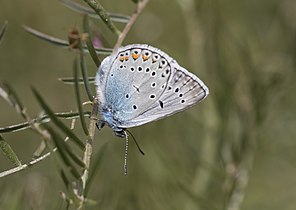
{"x": 108, "y": 116}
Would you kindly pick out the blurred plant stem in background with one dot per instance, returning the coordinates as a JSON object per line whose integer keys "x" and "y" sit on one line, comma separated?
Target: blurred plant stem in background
{"x": 207, "y": 155}
{"x": 240, "y": 100}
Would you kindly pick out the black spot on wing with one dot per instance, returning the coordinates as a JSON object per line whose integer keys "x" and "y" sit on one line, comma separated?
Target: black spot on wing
{"x": 160, "y": 104}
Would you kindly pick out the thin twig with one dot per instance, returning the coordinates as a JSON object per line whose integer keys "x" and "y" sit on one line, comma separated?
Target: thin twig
{"x": 24, "y": 166}
{"x": 86, "y": 10}
{"x": 93, "y": 119}
{"x": 140, "y": 6}
{"x": 61, "y": 42}
{"x": 42, "y": 119}
{"x": 13, "y": 100}
{"x": 88, "y": 148}
{"x": 35, "y": 161}
{"x": 99, "y": 9}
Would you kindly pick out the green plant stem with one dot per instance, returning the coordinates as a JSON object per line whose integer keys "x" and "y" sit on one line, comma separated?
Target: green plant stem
{"x": 88, "y": 148}
{"x": 35, "y": 161}
{"x": 24, "y": 166}
{"x": 140, "y": 6}
{"x": 95, "y": 5}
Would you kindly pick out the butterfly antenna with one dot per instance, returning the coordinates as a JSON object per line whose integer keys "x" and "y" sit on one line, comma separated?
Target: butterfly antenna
{"x": 139, "y": 148}
{"x": 125, "y": 154}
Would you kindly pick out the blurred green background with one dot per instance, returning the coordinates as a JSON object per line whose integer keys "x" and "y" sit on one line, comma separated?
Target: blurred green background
{"x": 235, "y": 150}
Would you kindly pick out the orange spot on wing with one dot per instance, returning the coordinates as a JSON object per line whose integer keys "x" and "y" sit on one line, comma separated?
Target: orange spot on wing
{"x": 135, "y": 56}
{"x": 145, "y": 58}
{"x": 121, "y": 58}
{"x": 126, "y": 58}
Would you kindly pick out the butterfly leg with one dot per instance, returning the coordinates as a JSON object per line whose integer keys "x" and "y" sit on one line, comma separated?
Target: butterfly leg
{"x": 121, "y": 133}
{"x": 100, "y": 124}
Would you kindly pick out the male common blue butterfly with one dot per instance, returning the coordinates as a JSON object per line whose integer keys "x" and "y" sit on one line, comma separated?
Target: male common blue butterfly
{"x": 139, "y": 84}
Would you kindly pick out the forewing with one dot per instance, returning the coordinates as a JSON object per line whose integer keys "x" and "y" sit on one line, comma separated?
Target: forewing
{"x": 137, "y": 78}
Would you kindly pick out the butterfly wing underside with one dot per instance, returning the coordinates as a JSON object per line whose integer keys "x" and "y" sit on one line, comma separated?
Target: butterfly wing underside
{"x": 142, "y": 84}
{"x": 183, "y": 91}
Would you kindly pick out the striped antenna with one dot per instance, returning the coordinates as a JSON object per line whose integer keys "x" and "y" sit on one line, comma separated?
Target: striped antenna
{"x": 125, "y": 154}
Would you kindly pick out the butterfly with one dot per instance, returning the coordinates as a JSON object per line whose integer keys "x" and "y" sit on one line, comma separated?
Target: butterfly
{"x": 139, "y": 84}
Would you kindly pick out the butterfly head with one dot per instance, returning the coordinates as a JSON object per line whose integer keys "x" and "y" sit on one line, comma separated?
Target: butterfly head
{"x": 108, "y": 117}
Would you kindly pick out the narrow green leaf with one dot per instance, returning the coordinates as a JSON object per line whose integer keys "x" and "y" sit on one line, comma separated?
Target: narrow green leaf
{"x": 61, "y": 42}
{"x": 14, "y": 128}
{"x": 43, "y": 119}
{"x": 99, "y": 9}
{"x": 67, "y": 149}
{"x": 70, "y": 194}
{"x": 58, "y": 122}
{"x": 85, "y": 10}
{"x": 89, "y": 43}
{"x": 120, "y": 18}
{"x": 85, "y": 74}
{"x": 78, "y": 98}
{"x": 65, "y": 179}
{"x": 71, "y": 81}
{"x": 63, "y": 150}
{"x": 90, "y": 202}
{"x": 13, "y": 99}
{"x": 71, "y": 115}
{"x": 95, "y": 166}
{"x": 3, "y": 30}
{"x": 45, "y": 37}
{"x": 8, "y": 152}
